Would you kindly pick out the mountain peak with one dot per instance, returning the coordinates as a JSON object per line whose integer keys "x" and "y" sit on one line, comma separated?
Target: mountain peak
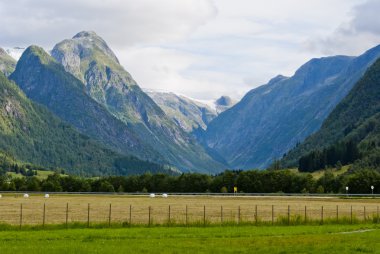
{"x": 7, "y": 63}
{"x": 224, "y": 101}
{"x": 2, "y": 52}
{"x": 35, "y": 51}
{"x": 85, "y": 34}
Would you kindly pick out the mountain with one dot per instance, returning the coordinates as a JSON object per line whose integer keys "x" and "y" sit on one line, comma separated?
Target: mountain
{"x": 223, "y": 103}
{"x": 349, "y": 133}
{"x": 273, "y": 118}
{"x": 30, "y": 133}
{"x": 185, "y": 112}
{"x": 88, "y": 58}
{"x": 45, "y": 81}
{"x": 7, "y": 63}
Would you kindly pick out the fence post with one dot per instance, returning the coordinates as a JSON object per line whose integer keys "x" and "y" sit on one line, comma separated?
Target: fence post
{"x": 288, "y": 214}
{"x": 221, "y": 214}
{"x": 186, "y": 219}
{"x": 204, "y": 215}
{"x": 130, "y": 215}
{"x": 305, "y": 214}
{"x": 272, "y": 214}
{"x": 109, "y": 215}
{"x": 20, "y": 216}
{"x": 88, "y": 215}
{"x": 377, "y": 220}
{"x": 365, "y": 217}
{"x": 169, "y": 215}
{"x": 239, "y": 215}
{"x": 322, "y": 215}
{"x": 43, "y": 217}
{"x": 149, "y": 216}
{"x": 337, "y": 213}
{"x": 351, "y": 214}
{"x": 67, "y": 214}
{"x": 256, "y": 214}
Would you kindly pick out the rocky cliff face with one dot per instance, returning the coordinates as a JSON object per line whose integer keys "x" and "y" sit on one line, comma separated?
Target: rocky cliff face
{"x": 7, "y": 63}
{"x": 89, "y": 58}
{"x": 186, "y": 113}
{"x": 272, "y": 118}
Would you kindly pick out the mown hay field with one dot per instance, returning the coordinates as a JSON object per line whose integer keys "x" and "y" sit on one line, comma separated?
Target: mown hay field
{"x": 142, "y": 209}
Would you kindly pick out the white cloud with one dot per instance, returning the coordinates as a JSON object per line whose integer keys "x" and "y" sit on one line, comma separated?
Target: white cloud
{"x": 200, "y": 48}
{"x": 353, "y": 36}
{"x": 120, "y": 22}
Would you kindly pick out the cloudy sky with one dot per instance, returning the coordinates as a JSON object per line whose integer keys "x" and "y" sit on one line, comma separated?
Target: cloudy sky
{"x": 201, "y": 48}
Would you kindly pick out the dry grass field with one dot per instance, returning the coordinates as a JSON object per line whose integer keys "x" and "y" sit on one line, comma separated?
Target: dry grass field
{"x": 183, "y": 209}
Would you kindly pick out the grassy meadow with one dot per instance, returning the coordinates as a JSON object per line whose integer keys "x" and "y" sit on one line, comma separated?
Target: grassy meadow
{"x": 229, "y": 239}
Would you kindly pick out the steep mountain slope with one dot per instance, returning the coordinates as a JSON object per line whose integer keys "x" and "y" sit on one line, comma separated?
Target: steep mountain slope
{"x": 355, "y": 119}
{"x": 31, "y": 133}
{"x": 272, "y": 118}
{"x": 88, "y": 57}
{"x": 46, "y": 82}
{"x": 186, "y": 113}
{"x": 7, "y": 63}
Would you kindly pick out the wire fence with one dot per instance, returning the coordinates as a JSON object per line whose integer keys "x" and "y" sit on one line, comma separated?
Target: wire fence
{"x": 37, "y": 213}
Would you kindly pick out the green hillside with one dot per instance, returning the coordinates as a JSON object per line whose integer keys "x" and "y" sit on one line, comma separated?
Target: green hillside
{"x": 7, "y": 63}
{"x": 351, "y": 133}
{"x": 30, "y": 133}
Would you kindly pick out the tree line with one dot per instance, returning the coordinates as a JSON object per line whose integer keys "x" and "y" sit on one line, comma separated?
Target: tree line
{"x": 341, "y": 153}
{"x": 251, "y": 181}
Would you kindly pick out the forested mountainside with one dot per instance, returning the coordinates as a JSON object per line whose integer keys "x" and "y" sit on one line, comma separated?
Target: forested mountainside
{"x": 350, "y": 134}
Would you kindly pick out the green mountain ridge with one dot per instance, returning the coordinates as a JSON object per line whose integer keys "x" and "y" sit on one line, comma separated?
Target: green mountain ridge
{"x": 46, "y": 82}
{"x": 7, "y": 63}
{"x": 88, "y": 57}
{"x": 30, "y": 133}
{"x": 355, "y": 119}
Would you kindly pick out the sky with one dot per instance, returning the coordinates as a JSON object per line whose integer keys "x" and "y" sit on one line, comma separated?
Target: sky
{"x": 201, "y": 48}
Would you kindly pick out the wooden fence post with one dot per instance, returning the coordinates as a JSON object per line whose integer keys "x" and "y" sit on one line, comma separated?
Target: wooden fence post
{"x": 169, "y": 219}
{"x": 186, "y": 218}
{"x": 272, "y": 214}
{"x": 109, "y": 215}
{"x": 364, "y": 215}
{"x": 221, "y": 214}
{"x": 322, "y": 215}
{"x": 351, "y": 214}
{"x": 67, "y": 214}
{"x": 88, "y": 215}
{"x": 305, "y": 214}
{"x": 149, "y": 216}
{"x": 288, "y": 214}
{"x": 204, "y": 215}
{"x": 239, "y": 215}
{"x": 337, "y": 213}
{"x": 43, "y": 217}
{"x": 130, "y": 215}
{"x": 256, "y": 215}
{"x": 20, "y": 216}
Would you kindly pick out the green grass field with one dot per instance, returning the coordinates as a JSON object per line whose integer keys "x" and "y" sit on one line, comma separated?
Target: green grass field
{"x": 232, "y": 239}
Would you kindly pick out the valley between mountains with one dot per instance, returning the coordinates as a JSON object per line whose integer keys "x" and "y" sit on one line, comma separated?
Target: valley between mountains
{"x": 78, "y": 109}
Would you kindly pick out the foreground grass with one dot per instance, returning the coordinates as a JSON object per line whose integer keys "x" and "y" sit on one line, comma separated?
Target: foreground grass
{"x": 228, "y": 239}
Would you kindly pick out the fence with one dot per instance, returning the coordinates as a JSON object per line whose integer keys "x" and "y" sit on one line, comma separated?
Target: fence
{"x": 38, "y": 213}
